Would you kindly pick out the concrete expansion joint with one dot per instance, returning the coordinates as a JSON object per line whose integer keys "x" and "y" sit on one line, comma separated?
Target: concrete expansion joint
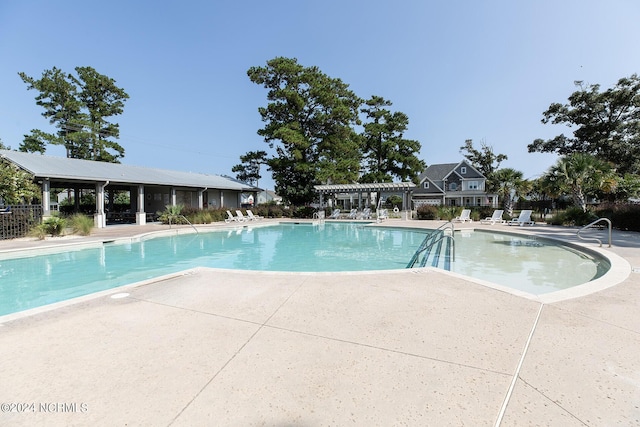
{"x": 516, "y": 374}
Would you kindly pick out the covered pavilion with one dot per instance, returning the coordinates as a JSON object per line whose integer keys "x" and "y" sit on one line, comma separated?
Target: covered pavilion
{"x": 150, "y": 189}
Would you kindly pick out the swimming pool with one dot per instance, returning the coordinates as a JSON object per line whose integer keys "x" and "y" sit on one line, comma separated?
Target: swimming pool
{"x": 528, "y": 264}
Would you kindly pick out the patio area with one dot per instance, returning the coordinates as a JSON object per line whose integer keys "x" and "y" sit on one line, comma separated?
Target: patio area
{"x": 404, "y": 347}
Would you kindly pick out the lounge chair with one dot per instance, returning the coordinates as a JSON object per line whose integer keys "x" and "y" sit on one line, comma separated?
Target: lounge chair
{"x": 382, "y": 215}
{"x": 230, "y": 217}
{"x": 464, "y": 216}
{"x": 241, "y": 218}
{"x": 366, "y": 213}
{"x": 253, "y": 217}
{"x": 353, "y": 214}
{"x": 523, "y": 219}
{"x": 495, "y": 218}
{"x": 335, "y": 214}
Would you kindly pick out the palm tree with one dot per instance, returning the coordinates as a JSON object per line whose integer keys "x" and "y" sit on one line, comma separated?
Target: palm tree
{"x": 582, "y": 175}
{"x": 510, "y": 185}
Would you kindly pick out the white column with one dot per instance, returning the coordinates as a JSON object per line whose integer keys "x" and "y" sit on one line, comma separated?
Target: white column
{"x": 99, "y": 218}
{"x": 46, "y": 198}
{"x": 141, "y": 216}
{"x": 200, "y": 199}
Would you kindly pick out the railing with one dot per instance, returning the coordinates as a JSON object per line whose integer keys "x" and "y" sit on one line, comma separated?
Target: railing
{"x": 607, "y": 220}
{"x": 318, "y": 216}
{"x": 188, "y": 222}
{"x": 433, "y": 238}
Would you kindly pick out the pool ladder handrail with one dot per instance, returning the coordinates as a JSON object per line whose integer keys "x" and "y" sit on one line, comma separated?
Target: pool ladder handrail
{"x": 607, "y": 220}
{"x": 319, "y": 216}
{"x": 436, "y": 259}
{"x": 188, "y": 222}
{"x": 430, "y": 240}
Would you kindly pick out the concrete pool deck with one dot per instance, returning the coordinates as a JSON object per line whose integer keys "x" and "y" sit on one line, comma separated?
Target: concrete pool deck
{"x": 412, "y": 347}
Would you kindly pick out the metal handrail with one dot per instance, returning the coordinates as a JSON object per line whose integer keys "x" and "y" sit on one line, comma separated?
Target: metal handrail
{"x": 188, "y": 222}
{"x": 607, "y": 220}
{"x": 453, "y": 248}
{"x": 434, "y": 236}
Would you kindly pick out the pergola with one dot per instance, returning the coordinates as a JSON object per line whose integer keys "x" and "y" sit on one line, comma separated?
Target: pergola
{"x": 406, "y": 188}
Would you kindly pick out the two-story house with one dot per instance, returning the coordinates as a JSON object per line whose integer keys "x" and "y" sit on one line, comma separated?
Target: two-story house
{"x": 453, "y": 184}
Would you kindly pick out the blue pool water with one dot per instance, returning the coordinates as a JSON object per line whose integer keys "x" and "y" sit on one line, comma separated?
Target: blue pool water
{"x": 533, "y": 266}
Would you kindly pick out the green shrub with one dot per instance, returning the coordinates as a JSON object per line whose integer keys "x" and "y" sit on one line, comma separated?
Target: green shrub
{"x": 53, "y": 226}
{"x": 81, "y": 224}
{"x": 38, "y": 232}
{"x": 623, "y": 216}
{"x": 573, "y": 216}
{"x": 303, "y": 212}
{"x": 427, "y": 212}
{"x": 172, "y": 215}
{"x": 447, "y": 213}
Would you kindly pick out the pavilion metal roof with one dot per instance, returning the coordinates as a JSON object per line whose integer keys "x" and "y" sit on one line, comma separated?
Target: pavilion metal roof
{"x": 76, "y": 170}
{"x": 354, "y": 188}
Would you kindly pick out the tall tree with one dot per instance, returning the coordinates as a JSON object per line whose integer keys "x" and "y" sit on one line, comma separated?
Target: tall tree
{"x": 510, "y": 186}
{"x": 387, "y": 154}
{"x": 582, "y": 175}
{"x": 485, "y": 160}
{"x": 58, "y": 96}
{"x": 309, "y": 121}
{"x": 78, "y": 107}
{"x": 605, "y": 124}
{"x": 249, "y": 170}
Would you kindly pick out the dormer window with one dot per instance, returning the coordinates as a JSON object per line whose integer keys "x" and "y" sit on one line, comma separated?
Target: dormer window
{"x": 463, "y": 170}
{"x": 425, "y": 185}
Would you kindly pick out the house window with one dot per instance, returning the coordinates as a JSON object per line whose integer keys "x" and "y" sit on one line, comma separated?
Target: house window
{"x": 453, "y": 186}
{"x": 473, "y": 185}
{"x": 463, "y": 170}
{"x": 425, "y": 185}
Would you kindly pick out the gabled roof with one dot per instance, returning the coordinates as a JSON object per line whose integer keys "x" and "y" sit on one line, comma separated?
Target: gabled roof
{"x": 438, "y": 172}
{"x": 69, "y": 170}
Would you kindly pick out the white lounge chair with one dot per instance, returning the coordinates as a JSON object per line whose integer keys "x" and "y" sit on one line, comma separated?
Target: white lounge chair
{"x": 335, "y": 214}
{"x": 464, "y": 216}
{"x": 241, "y": 218}
{"x": 382, "y": 215}
{"x": 230, "y": 217}
{"x": 253, "y": 217}
{"x": 353, "y": 214}
{"x": 523, "y": 219}
{"x": 495, "y": 218}
{"x": 366, "y": 213}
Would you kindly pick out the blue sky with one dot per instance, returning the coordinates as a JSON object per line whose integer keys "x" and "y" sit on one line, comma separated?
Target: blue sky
{"x": 481, "y": 70}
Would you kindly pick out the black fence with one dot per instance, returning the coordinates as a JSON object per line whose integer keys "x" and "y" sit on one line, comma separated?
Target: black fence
{"x": 17, "y": 220}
